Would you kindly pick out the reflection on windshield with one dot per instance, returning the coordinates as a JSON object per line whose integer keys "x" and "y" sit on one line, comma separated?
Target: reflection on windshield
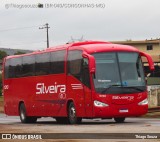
{"x": 116, "y": 71}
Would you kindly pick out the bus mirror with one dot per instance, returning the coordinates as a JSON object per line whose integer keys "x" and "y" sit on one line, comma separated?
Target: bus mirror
{"x": 92, "y": 64}
{"x": 149, "y": 59}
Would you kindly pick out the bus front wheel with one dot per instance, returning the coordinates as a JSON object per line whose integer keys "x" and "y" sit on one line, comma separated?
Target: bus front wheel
{"x": 119, "y": 119}
{"x": 72, "y": 118}
{"x": 23, "y": 115}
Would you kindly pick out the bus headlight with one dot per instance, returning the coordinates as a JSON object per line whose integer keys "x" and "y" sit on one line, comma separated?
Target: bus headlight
{"x": 144, "y": 102}
{"x": 100, "y": 104}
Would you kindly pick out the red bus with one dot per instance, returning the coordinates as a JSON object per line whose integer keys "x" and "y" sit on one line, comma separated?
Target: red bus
{"x": 91, "y": 79}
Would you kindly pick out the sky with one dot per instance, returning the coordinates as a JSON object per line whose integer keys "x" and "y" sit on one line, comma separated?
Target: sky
{"x": 104, "y": 20}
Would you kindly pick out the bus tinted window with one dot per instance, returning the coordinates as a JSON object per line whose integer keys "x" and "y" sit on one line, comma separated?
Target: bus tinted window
{"x": 18, "y": 68}
{"x": 15, "y": 67}
{"x": 39, "y": 64}
{"x": 57, "y": 62}
{"x": 78, "y": 67}
{"x": 28, "y": 65}
{"x": 42, "y": 64}
{"x": 75, "y": 63}
{"x": 7, "y": 68}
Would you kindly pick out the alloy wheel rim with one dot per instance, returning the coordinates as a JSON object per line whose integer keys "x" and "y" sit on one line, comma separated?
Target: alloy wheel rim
{"x": 72, "y": 113}
{"x": 22, "y": 115}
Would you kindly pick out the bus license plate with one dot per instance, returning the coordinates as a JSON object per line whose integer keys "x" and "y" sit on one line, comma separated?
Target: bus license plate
{"x": 123, "y": 110}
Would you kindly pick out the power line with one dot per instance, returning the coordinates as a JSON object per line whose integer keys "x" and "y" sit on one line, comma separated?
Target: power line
{"x": 18, "y": 28}
{"x": 24, "y": 43}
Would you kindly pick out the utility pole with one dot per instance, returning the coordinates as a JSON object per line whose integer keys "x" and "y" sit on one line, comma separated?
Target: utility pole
{"x": 46, "y": 27}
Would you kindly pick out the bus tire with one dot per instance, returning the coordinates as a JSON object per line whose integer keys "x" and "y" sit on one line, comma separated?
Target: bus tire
{"x": 72, "y": 118}
{"x": 23, "y": 115}
{"x": 119, "y": 119}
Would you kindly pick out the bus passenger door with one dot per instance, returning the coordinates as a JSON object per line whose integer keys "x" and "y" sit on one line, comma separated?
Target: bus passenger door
{"x": 78, "y": 83}
{"x": 87, "y": 88}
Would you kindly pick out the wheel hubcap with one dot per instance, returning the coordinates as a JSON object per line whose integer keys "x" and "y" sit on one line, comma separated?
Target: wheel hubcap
{"x": 72, "y": 113}
{"x": 22, "y": 115}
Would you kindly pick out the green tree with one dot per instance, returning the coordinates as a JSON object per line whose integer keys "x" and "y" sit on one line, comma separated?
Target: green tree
{"x": 19, "y": 53}
{"x": 2, "y": 54}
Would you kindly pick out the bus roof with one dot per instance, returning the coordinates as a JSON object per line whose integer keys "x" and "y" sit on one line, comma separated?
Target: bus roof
{"x": 96, "y": 46}
{"x": 106, "y": 48}
{"x": 88, "y": 46}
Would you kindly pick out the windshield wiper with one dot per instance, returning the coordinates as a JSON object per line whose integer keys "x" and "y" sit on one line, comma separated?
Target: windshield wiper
{"x": 129, "y": 87}
{"x": 110, "y": 86}
{"x": 134, "y": 87}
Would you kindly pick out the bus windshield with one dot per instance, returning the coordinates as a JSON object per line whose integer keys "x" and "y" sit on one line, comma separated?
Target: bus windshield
{"x": 119, "y": 73}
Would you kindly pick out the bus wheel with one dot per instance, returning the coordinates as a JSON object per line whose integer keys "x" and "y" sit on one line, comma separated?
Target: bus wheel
{"x": 23, "y": 116}
{"x": 119, "y": 119}
{"x": 72, "y": 118}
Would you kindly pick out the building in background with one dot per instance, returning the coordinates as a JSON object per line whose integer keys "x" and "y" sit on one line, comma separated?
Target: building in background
{"x": 151, "y": 47}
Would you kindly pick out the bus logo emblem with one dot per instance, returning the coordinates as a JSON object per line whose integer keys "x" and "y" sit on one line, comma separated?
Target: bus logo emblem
{"x": 41, "y": 88}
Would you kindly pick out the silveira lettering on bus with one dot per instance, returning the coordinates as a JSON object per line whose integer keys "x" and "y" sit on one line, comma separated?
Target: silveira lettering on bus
{"x": 41, "y": 88}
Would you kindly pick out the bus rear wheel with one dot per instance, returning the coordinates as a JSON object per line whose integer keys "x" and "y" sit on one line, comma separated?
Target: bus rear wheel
{"x": 119, "y": 119}
{"x": 72, "y": 118}
{"x": 23, "y": 115}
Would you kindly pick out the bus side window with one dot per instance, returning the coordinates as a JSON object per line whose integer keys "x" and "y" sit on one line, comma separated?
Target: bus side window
{"x": 57, "y": 61}
{"x": 78, "y": 67}
{"x": 75, "y": 64}
{"x": 42, "y": 66}
{"x": 15, "y": 68}
{"x": 28, "y": 68}
{"x": 18, "y": 67}
{"x": 7, "y": 69}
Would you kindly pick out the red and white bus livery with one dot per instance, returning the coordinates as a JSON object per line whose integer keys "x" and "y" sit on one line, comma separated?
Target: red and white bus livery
{"x": 90, "y": 79}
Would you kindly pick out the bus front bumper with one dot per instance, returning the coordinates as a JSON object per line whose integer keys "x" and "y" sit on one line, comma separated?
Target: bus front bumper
{"x": 120, "y": 111}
